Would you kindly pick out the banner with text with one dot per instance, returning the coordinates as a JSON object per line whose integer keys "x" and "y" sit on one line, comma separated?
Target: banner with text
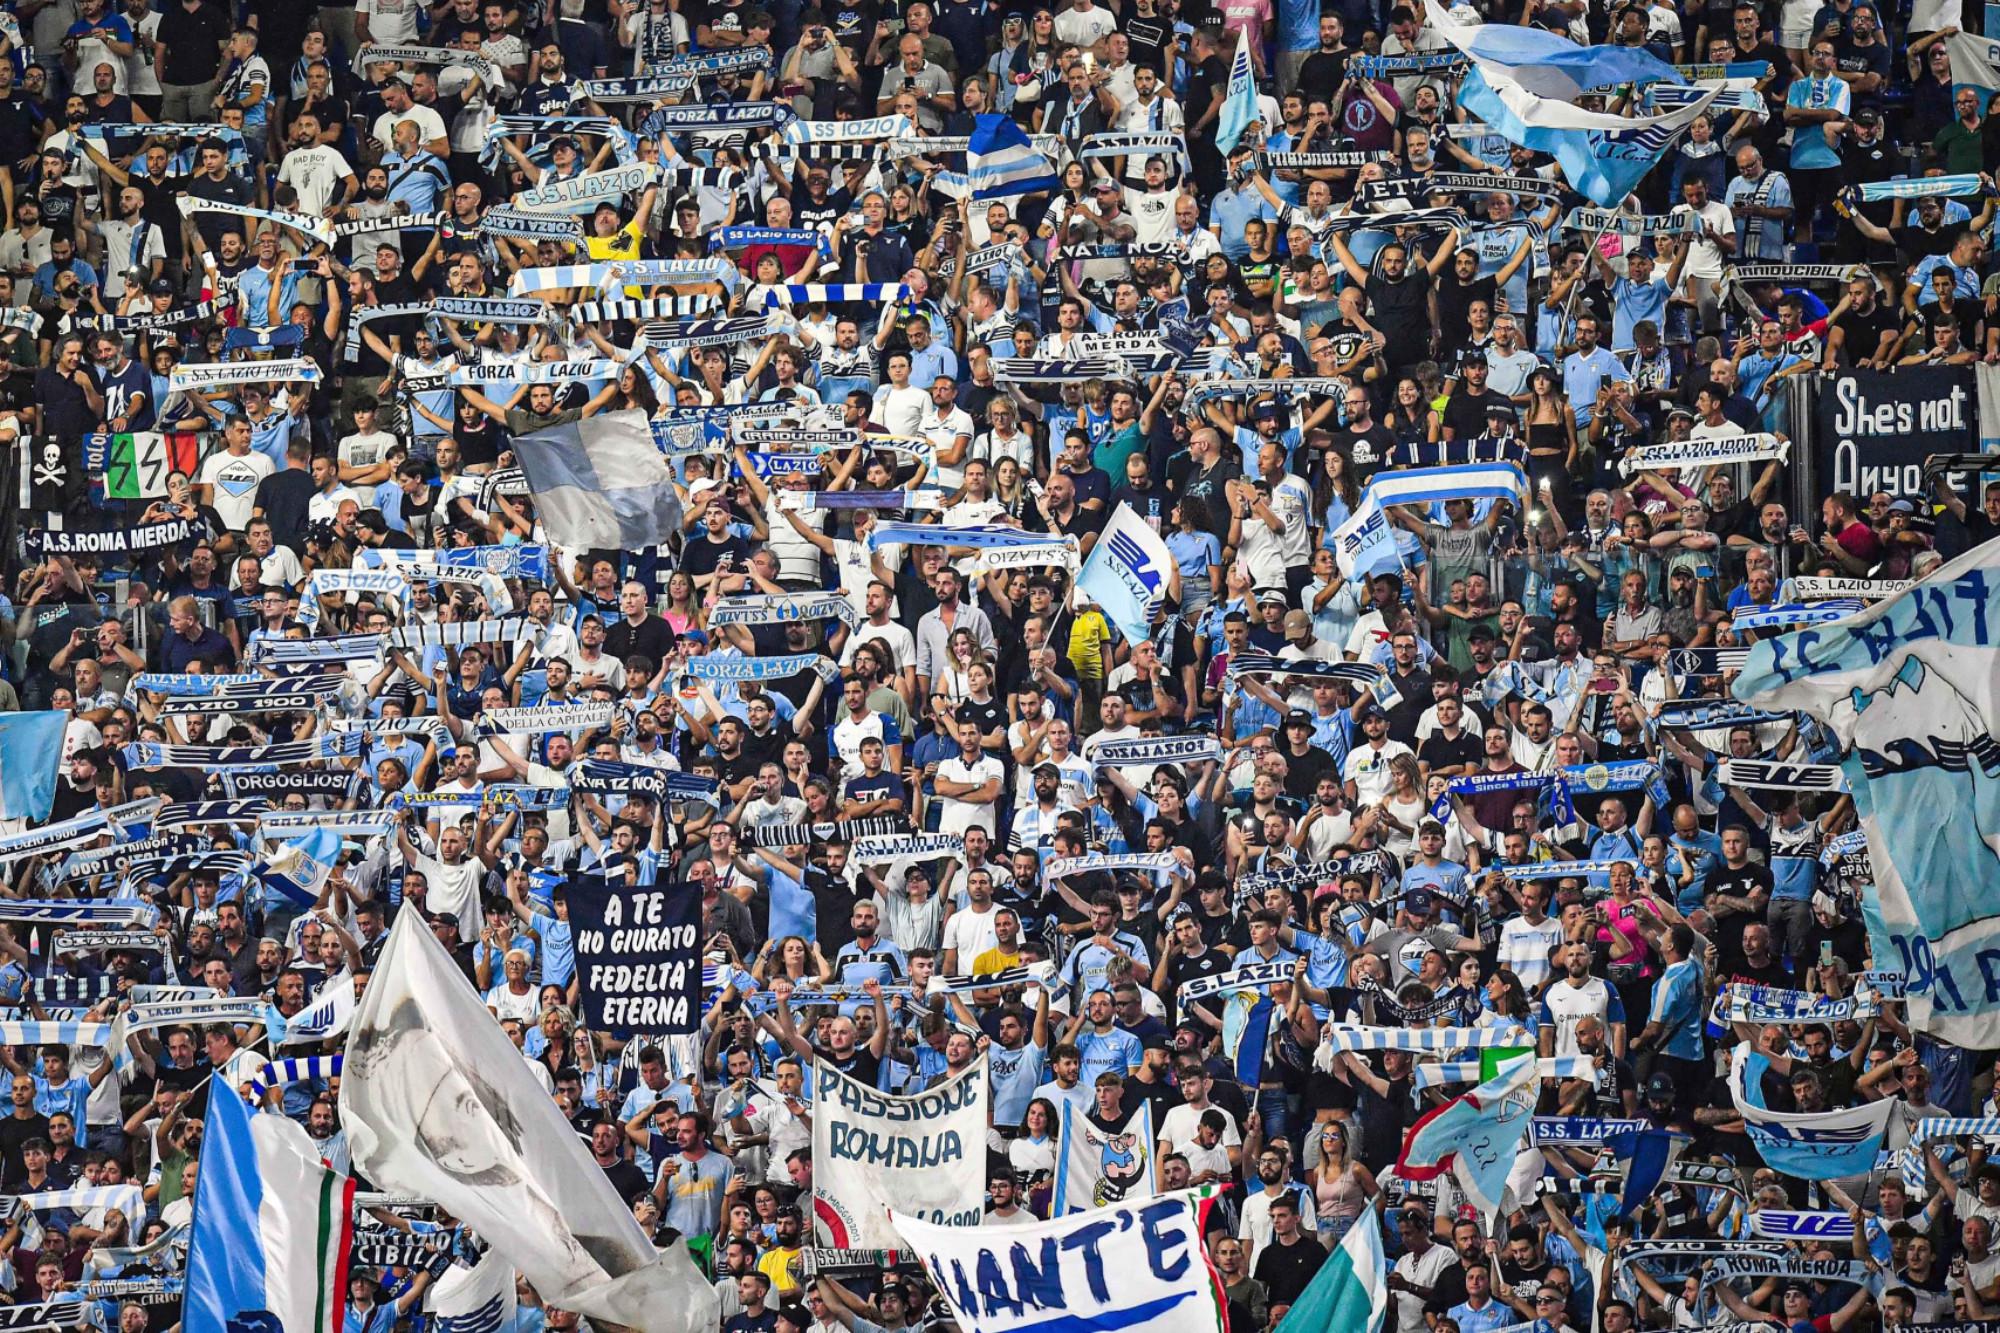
{"x": 923, "y": 1155}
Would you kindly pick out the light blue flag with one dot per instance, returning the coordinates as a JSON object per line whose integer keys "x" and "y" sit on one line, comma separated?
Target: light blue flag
{"x": 299, "y": 869}
{"x": 601, "y": 483}
{"x": 1001, "y": 163}
{"x": 1910, "y": 688}
{"x": 1602, "y": 164}
{"x": 1649, "y": 1155}
{"x": 1549, "y": 65}
{"x": 1524, "y": 84}
{"x": 272, "y": 1225}
{"x": 1239, "y": 108}
{"x": 30, "y": 759}
{"x": 1349, "y": 1292}
{"x": 1811, "y": 1145}
{"x": 1476, "y": 1136}
{"x": 1127, "y": 573}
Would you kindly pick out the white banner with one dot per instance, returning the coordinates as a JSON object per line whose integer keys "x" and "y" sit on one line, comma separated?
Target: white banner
{"x": 924, "y": 1154}
{"x": 1821, "y": 588}
{"x": 438, "y": 1103}
{"x": 1135, "y": 1267}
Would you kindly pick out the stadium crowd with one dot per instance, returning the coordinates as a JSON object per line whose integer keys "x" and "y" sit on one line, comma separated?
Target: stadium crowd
{"x": 1236, "y": 347}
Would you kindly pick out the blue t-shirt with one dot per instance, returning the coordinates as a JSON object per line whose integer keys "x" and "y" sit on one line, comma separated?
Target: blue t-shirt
{"x": 1810, "y": 149}
{"x": 558, "y": 950}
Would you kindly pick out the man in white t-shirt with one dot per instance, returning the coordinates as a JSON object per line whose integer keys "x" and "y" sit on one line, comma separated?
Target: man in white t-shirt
{"x": 1084, "y": 24}
{"x": 968, "y": 784}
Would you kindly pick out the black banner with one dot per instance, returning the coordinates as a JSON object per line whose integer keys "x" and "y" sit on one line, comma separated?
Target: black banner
{"x": 110, "y": 541}
{"x": 638, "y": 956}
{"x": 1873, "y": 429}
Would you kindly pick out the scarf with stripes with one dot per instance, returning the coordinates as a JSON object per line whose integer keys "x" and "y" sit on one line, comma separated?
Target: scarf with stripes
{"x": 315, "y": 652}
{"x": 1709, "y": 714}
{"x": 73, "y": 990}
{"x": 367, "y": 582}
{"x": 633, "y": 272}
{"x": 458, "y": 633}
{"x": 327, "y": 745}
{"x": 76, "y": 830}
{"x": 297, "y": 1069}
{"x": 1783, "y": 616}
{"x": 425, "y": 728}
{"x": 965, "y": 983}
{"x": 1157, "y": 750}
{"x": 348, "y": 824}
{"x": 1315, "y": 872}
{"x": 642, "y": 308}
{"x": 1270, "y": 664}
{"x": 1339, "y": 1037}
{"x": 299, "y": 694}
{"x": 835, "y": 293}
{"x": 64, "y": 912}
{"x": 181, "y": 685}
{"x": 1438, "y": 1074}
{"x": 844, "y": 830}
{"x": 1062, "y": 867}
{"x": 47, "y": 1032}
{"x": 189, "y": 813}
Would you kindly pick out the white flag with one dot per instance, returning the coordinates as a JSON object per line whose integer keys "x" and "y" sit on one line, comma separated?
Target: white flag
{"x": 438, "y": 1103}
{"x": 479, "y": 1299}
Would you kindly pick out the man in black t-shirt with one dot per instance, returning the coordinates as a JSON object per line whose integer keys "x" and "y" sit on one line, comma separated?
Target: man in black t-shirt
{"x": 1857, "y": 337}
{"x": 1363, "y": 441}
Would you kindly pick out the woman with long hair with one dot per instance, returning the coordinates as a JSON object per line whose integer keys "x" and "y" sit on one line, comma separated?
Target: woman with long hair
{"x": 1035, "y": 55}
{"x": 1404, "y": 806}
{"x": 1010, "y": 490}
{"x": 795, "y": 959}
{"x": 1196, "y": 552}
{"x": 1550, "y": 427}
{"x": 1341, "y": 1187}
{"x": 1033, "y": 1153}
{"x": 1505, "y": 1000}
{"x": 1409, "y": 416}
{"x": 955, "y": 680}
{"x": 683, "y": 610}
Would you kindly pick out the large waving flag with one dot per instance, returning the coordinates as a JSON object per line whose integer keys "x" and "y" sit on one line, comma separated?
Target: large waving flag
{"x": 1811, "y": 1145}
{"x": 1128, "y": 572}
{"x": 1912, "y": 687}
{"x": 1239, "y": 107}
{"x": 272, "y": 1225}
{"x": 1364, "y": 544}
{"x": 438, "y": 1103}
{"x": 32, "y": 743}
{"x": 1348, "y": 1293}
{"x": 1545, "y": 64}
{"x": 601, "y": 482}
{"x": 1524, "y": 85}
{"x": 1476, "y": 1137}
{"x": 1001, "y": 163}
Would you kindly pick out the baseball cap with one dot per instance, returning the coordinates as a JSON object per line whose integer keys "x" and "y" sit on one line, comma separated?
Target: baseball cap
{"x": 1296, "y": 619}
{"x": 1267, "y": 409}
{"x": 443, "y": 919}
{"x": 695, "y": 636}
{"x": 1105, "y": 186}
{"x": 160, "y": 287}
{"x": 1482, "y": 630}
{"x": 1901, "y": 507}
{"x": 1048, "y": 768}
{"x": 1504, "y": 410}
{"x": 1417, "y": 900}
{"x": 1661, "y": 1087}
{"x": 1868, "y": 115}
{"x": 1680, "y": 412}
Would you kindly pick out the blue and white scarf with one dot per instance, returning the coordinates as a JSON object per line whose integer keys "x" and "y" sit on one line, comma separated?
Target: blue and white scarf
{"x": 1566, "y": 869}
{"x": 1797, "y": 613}
{"x": 835, "y": 293}
{"x": 976, "y": 537}
{"x": 373, "y": 582}
{"x": 1603, "y": 779}
{"x": 736, "y": 238}
{"x": 611, "y": 775}
{"x": 764, "y": 609}
{"x": 328, "y": 745}
{"x": 1338, "y": 1037}
{"x": 679, "y": 335}
{"x": 1157, "y": 750}
{"x": 1710, "y": 714}
{"x": 1903, "y": 187}
{"x": 784, "y": 667}
{"x": 547, "y": 718}
{"x": 68, "y": 911}
{"x": 315, "y": 652}
{"x": 630, "y": 272}
{"x": 78, "y": 829}
{"x": 520, "y": 225}
{"x": 298, "y": 1069}
{"x": 186, "y": 814}
{"x": 871, "y": 129}
{"x": 721, "y": 118}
